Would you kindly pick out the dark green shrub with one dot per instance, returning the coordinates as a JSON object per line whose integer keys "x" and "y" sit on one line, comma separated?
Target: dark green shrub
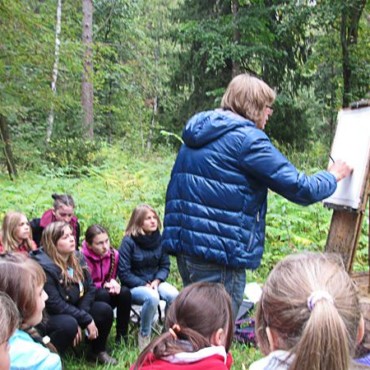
{"x": 74, "y": 155}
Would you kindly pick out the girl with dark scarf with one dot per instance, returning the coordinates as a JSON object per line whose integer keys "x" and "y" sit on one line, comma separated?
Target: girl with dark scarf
{"x": 144, "y": 267}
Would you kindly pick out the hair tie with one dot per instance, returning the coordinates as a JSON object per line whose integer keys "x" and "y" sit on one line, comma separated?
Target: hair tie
{"x": 173, "y": 334}
{"x": 316, "y": 296}
{"x": 174, "y": 331}
{"x": 176, "y": 328}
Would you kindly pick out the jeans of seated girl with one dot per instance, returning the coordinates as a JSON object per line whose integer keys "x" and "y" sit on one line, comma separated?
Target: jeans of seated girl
{"x": 149, "y": 300}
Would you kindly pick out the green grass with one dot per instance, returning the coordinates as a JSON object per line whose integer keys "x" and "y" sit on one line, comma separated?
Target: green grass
{"x": 107, "y": 194}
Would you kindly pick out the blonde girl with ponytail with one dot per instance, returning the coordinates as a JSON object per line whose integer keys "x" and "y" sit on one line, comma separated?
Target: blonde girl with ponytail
{"x": 309, "y": 316}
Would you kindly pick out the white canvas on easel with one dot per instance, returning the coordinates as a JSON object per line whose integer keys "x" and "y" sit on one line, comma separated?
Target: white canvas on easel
{"x": 352, "y": 145}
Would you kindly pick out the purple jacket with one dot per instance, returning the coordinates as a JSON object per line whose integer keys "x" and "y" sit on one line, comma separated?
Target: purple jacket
{"x": 102, "y": 268}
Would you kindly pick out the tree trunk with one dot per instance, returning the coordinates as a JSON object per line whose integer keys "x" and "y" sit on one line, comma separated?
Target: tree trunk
{"x": 350, "y": 18}
{"x": 87, "y": 77}
{"x": 234, "y": 11}
{"x": 152, "y": 124}
{"x": 157, "y": 52}
{"x": 50, "y": 124}
{"x": 5, "y": 138}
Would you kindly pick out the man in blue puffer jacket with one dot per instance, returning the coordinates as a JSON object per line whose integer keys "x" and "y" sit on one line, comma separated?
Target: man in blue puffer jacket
{"x": 217, "y": 196}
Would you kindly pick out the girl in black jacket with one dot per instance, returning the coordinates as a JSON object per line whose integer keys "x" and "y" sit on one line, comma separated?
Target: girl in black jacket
{"x": 71, "y": 305}
{"x": 144, "y": 267}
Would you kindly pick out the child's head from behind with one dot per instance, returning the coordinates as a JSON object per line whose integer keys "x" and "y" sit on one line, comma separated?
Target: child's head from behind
{"x": 309, "y": 307}
{"x": 15, "y": 229}
{"x": 201, "y": 308}
{"x": 23, "y": 280}
{"x": 144, "y": 220}
{"x": 199, "y": 317}
{"x": 97, "y": 239}
{"x": 9, "y": 321}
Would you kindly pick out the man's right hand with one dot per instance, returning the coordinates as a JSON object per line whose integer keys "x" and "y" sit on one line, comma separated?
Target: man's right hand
{"x": 340, "y": 169}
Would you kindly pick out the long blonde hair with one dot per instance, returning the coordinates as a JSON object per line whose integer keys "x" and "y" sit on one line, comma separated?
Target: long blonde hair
{"x": 248, "y": 96}
{"x": 135, "y": 224}
{"x": 50, "y": 236}
{"x": 10, "y": 223}
{"x": 311, "y": 303}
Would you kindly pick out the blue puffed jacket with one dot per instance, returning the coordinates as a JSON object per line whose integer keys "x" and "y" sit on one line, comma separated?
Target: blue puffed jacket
{"x": 217, "y": 197}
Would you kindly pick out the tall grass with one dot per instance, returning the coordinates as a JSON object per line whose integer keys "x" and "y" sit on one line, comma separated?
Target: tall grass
{"x": 108, "y": 192}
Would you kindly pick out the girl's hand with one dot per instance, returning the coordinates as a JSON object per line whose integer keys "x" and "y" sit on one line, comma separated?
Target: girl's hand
{"x": 113, "y": 287}
{"x": 154, "y": 284}
{"x": 92, "y": 331}
{"x": 78, "y": 337}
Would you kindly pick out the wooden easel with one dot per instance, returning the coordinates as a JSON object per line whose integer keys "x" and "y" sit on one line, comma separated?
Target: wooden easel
{"x": 343, "y": 237}
{"x": 345, "y": 228}
{"x": 346, "y": 223}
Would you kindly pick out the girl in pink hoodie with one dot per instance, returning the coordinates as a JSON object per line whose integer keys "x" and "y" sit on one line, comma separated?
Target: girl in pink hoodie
{"x": 102, "y": 261}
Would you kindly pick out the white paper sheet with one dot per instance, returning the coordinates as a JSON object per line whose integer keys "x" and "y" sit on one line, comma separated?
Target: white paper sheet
{"x": 352, "y": 145}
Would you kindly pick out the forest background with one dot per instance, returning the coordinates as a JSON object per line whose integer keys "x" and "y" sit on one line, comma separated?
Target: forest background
{"x": 94, "y": 96}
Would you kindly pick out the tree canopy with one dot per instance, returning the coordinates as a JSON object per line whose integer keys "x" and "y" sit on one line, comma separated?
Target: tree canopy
{"x": 154, "y": 64}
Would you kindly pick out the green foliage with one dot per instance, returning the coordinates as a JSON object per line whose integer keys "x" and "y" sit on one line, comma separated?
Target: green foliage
{"x": 73, "y": 155}
{"x": 262, "y": 38}
{"x": 104, "y": 194}
{"x": 108, "y": 193}
{"x": 156, "y": 63}
{"x": 171, "y": 134}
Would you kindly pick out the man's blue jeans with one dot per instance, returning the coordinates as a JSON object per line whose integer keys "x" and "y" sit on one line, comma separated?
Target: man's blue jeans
{"x": 193, "y": 269}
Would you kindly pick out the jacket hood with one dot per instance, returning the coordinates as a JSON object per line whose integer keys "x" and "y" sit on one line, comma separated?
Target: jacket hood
{"x": 208, "y": 126}
{"x": 48, "y": 217}
{"x": 45, "y": 261}
{"x": 88, "y": 253}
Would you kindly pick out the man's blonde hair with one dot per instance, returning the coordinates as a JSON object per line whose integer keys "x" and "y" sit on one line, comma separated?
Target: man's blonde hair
{"x": 248, "y": 96}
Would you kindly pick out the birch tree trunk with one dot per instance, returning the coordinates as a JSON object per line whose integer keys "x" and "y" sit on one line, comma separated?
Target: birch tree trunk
{"x": 152, "y": 123}
{"x": 87, "y": 97}
{"x": 155, "y": 99}
{"x": 50, "y": 124}
{"x": 236, "y": 36}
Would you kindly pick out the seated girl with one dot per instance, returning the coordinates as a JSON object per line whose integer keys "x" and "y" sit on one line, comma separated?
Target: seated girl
{"x": 199, "y": 332}
{"x": 16, "y": 235}
{"x": 63, "y": 210}
{"x": 102, "y": 261}
{"x": 309, "y": 315}
{"x": 144, "y": 267}
{"x": 9, "y": 322}
{"x": 23, "y": 280}
{"x": 71, "y": 306}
